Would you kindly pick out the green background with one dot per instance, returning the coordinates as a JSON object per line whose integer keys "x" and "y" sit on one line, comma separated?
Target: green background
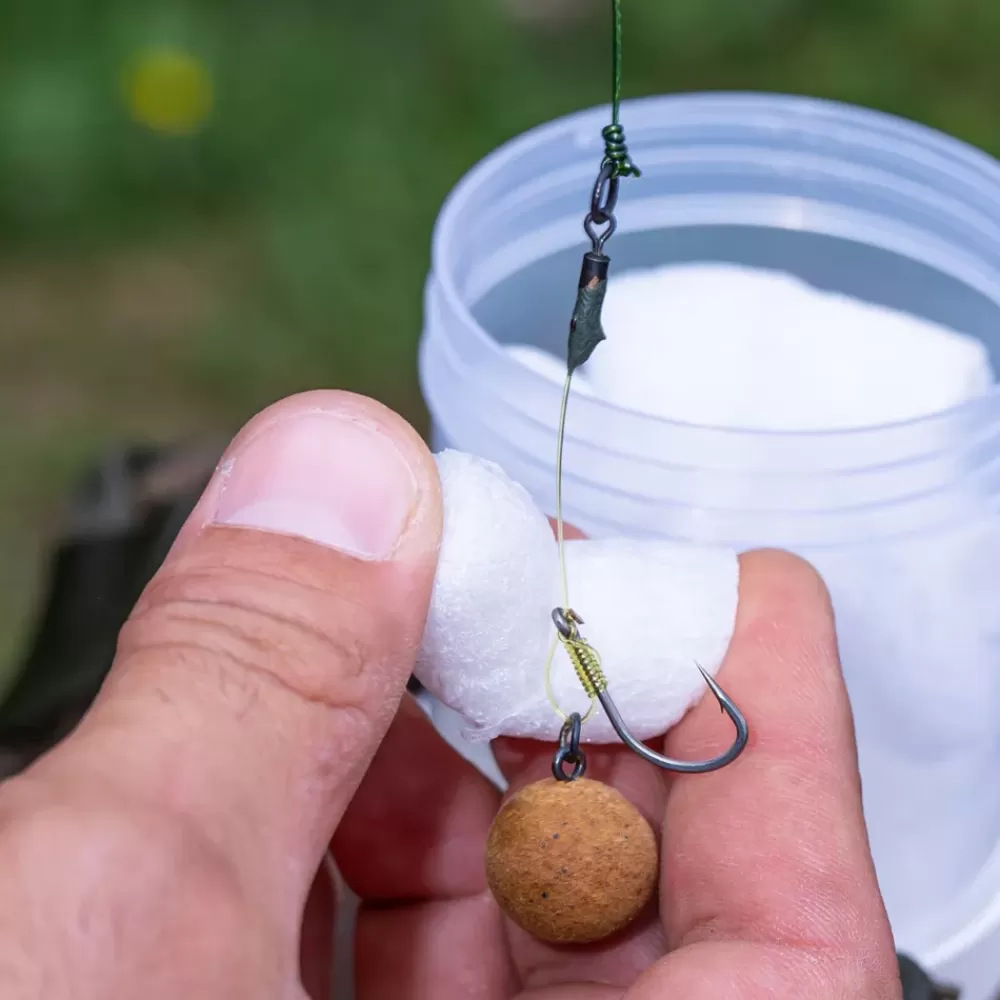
{"x": 153, "y": 287}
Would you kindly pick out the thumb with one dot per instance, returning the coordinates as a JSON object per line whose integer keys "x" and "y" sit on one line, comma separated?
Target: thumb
{"x": 261, "y": 668}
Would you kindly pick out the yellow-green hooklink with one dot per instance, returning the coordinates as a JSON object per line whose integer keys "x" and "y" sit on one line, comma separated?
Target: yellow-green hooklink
{"x": 586, "y": 334}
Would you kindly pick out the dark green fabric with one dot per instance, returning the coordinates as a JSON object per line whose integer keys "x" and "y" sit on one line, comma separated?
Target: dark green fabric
{"x": 917, "y": 985}
{"x": 114, "y": 541}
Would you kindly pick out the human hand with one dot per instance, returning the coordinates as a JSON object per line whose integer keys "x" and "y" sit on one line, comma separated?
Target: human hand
{"x": 170, "y": 846}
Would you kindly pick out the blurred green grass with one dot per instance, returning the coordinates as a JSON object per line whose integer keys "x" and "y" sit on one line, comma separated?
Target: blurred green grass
{"x": 153, "y": 286}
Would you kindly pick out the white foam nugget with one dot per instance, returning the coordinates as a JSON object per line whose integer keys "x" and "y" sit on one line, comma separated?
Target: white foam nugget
{"x": 652, "y": 610}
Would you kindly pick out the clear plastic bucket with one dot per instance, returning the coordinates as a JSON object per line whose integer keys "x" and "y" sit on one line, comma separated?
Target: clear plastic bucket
{"x": 902, "y": 520}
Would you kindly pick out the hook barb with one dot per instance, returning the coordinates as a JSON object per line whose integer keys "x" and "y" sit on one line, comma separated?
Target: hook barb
{"x": 726, "y": 704}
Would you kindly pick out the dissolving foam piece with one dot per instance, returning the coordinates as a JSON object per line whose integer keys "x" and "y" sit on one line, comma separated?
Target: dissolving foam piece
{"x": 652, "y": 610}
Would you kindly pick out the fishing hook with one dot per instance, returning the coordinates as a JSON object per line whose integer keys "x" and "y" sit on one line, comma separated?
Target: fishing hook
{"x": 587, "y": 665}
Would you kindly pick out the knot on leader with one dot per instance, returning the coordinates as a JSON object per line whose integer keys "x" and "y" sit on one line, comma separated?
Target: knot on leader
{"x": 616, "y": 152}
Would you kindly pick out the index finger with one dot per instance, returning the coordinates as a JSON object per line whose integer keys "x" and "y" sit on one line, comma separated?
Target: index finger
{"x": 773, "y": 848}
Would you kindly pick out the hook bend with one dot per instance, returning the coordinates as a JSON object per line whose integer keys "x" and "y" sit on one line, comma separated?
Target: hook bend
{"x": 684, "y": 766}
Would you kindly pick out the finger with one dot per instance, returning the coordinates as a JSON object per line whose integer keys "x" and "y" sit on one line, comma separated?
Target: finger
{"x": 316, "y": 940}
{"x": 741, "y": 970}
{"x": 572, "y": 991}
{"x": 265, "y": 661}
{"x": 416, "y": 828}
{"x": 411, "y": 845}
{"x": 570, "y": 533}
{"x": 773, "y": 849}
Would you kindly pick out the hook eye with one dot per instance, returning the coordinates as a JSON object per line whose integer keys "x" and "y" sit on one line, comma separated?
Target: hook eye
{"x": 565, "y": 621}
{"x": 569, "y": 751}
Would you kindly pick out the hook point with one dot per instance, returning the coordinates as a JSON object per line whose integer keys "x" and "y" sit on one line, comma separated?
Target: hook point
{"x": 713, "y": 687}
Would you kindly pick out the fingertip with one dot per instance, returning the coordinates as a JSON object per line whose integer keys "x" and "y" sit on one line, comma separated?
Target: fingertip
{"x": 773, "y": 578}
{"x": 347, "y": 404}
{"x": 275, "y": 426}
{"x": 784, "y": 651}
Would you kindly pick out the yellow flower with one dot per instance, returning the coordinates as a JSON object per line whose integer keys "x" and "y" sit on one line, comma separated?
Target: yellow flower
{"x": 169, "y": 91}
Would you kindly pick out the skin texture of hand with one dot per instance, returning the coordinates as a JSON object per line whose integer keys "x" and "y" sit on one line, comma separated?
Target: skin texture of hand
{"x": 256, "y": 710}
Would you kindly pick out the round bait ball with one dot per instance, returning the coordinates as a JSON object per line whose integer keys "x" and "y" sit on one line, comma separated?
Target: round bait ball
{"x": 571, "y": 862}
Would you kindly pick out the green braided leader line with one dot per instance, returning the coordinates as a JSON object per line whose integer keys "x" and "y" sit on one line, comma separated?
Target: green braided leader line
{"x": 615, "y": 151}
{"x": 616, "y": 59}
